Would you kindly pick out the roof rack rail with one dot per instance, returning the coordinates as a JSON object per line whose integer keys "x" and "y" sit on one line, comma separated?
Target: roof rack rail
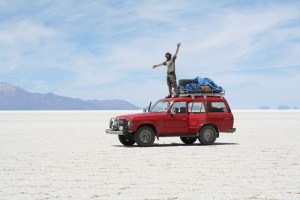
{"x": 185, "y": 93}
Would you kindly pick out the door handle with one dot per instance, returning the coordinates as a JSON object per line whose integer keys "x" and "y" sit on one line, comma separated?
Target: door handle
{"x": 227, "y": 118}
{"x": 183, "y": 119}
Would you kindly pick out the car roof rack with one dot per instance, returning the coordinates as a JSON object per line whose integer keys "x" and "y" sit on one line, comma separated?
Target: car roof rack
{"x": 193, "y": 95}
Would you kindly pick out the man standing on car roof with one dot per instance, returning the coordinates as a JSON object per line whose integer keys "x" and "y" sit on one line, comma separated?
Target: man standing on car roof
{"x": 171, "y": 76}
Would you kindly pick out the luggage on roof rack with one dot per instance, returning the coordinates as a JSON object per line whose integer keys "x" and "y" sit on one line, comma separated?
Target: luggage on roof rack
{"x": 199, "y": 87}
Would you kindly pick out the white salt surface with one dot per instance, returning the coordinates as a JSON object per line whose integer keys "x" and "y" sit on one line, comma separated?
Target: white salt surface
{"x": 68, "y": 155}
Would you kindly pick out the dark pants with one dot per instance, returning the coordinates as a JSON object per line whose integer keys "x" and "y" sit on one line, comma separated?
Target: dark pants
{"x": 171, "y": 80}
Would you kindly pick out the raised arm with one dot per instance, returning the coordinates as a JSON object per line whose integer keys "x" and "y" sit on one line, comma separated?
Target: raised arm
{"x": 177, "y": 49}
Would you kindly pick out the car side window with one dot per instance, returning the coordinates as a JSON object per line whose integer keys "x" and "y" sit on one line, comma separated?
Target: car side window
{"x": 196, "y": 107}
{"x": 179, "y": 108}
{"x": 216, "y": 107}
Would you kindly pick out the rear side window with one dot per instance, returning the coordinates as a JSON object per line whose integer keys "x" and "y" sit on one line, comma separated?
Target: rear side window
{"x": 196, "y": 107}
{"x": 216, "y": 107}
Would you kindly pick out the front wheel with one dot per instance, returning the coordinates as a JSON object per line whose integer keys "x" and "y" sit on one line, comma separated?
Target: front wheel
{"x": 144, "y": 136}
{"x": 207, "y": 135}
{"x": 127, "y": 140}
{"x": 188, "y": 140}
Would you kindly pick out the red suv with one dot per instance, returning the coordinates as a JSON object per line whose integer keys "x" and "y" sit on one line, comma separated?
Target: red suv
{"x": 200, "y": 117}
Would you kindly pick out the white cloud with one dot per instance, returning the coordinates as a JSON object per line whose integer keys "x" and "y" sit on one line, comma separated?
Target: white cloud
{"x": 20, "y": 40}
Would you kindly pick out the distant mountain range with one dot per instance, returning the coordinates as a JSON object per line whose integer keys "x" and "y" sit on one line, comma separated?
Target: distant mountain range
{"x": 16, "y": 98}
{"x": 280, "y": 107}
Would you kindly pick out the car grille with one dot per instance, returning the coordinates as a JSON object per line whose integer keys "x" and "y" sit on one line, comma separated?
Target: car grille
{"x": 122, "y": 122}
{"x": 115, "y": 123}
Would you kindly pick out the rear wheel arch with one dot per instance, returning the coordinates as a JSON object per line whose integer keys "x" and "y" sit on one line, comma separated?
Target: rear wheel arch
{"x": 213, "y": 125}
{"x": 207, "y": 135}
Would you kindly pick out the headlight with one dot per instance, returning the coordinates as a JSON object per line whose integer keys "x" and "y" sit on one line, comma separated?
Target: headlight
{"x": 113, "y": 122}
{"x": 129, "y": 123}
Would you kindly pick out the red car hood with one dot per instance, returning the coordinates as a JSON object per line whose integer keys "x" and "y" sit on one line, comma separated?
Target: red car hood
{"x": 141, "y": 115}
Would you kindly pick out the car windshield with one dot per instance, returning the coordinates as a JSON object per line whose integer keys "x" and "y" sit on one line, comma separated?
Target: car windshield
{"x": 161, "y": 106}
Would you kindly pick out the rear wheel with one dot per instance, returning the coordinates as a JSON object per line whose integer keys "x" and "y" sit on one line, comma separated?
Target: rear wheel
{"x": 144, "y": 136}
{"x": 127, "y": 140}
{"x": 207, "y": 135}
{"x": 188, "y": 140}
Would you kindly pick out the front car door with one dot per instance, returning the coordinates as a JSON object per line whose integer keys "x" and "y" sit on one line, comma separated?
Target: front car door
{"x": 177, "y": 120}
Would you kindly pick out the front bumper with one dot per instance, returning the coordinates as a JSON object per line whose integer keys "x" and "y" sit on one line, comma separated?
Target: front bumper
{"x": 116, "y": 132}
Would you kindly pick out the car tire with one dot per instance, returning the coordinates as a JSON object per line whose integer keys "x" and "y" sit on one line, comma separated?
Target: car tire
{"x": 144, "y": 136}
{"x": 188, "y": 140}
{"x": 127, "y": 140}
{"x": 187, "y": 81}
{"x": 207, "y": 135}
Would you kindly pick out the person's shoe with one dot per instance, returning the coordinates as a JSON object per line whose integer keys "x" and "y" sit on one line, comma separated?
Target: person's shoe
{"x": 169, "y": 96}
{"x": 176, "y": 95}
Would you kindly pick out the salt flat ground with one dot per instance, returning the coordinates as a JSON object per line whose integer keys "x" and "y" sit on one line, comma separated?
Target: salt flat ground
{"x": 68, "y": 155}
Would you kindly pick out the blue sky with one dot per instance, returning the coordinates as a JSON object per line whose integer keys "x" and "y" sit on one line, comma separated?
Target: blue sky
{"x": 103, "y": 50}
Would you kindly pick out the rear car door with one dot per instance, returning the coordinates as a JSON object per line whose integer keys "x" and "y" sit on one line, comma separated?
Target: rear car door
{"x": 218, "y": 113}
{"x": 197, "y": 116}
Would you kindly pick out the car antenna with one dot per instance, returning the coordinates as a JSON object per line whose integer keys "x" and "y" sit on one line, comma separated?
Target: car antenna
{"x": 149, "y": 106}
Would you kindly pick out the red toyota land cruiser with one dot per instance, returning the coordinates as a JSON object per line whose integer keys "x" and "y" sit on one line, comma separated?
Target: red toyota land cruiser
{"x": 190, "y": 118}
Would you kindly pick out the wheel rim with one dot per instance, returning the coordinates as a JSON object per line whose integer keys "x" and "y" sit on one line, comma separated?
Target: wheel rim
{"x": 145, "y": 136}
{"x": 208, "y": 135}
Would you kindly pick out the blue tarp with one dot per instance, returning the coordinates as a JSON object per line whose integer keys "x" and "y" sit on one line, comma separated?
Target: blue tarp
{"x": 210, "y": 83}
{"x": 196, "y": 87}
